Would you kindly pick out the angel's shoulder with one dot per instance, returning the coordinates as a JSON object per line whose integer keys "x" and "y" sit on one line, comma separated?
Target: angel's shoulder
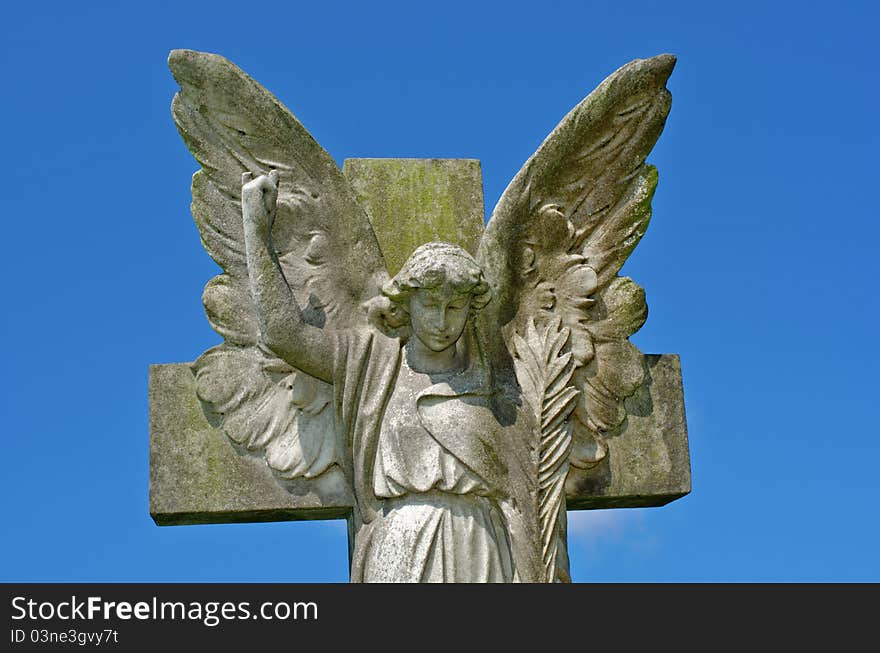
{"x": 364, "y": 344}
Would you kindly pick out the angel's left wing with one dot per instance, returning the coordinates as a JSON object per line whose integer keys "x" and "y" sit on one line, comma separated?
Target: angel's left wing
{"x": 552, "y": 251}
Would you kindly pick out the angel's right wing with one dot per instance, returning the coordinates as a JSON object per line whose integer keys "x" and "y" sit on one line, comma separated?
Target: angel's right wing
{"x": 324, "y": 242}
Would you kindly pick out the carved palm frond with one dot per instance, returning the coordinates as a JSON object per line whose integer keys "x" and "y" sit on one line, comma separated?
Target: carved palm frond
{"x": 544, "y": 372}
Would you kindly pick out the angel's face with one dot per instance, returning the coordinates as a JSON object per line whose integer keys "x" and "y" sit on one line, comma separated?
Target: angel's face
{"x": 438, "y": 316}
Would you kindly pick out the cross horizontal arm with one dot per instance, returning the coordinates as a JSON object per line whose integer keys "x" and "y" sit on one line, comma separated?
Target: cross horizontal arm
{"x": 197, "y": 477}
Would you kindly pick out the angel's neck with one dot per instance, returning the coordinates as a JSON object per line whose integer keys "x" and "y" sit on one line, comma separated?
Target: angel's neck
{"x": 420, "y": 358}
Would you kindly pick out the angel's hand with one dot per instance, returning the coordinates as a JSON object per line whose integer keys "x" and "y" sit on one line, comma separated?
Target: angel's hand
{"x": 258, "y": 200}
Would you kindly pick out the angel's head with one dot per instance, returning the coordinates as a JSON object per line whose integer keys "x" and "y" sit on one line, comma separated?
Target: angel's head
{"x": 438, "y": 288}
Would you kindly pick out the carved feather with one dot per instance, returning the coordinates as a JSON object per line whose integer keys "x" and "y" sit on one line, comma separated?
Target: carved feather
{"x": 233, "y": 125}
{"x": 269, "y": 408}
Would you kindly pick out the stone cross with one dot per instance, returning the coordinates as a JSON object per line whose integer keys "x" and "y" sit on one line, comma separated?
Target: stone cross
{"x": 197, "y": 477}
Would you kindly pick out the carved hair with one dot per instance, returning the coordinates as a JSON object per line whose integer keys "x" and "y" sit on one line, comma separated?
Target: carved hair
{"x": 433, "y": 265}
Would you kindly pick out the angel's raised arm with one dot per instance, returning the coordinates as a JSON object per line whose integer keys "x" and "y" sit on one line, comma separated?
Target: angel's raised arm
{"x": 282, "y": 327}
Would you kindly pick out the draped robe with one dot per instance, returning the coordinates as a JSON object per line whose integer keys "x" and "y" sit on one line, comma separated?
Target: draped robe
{"x": 422, "y": 453}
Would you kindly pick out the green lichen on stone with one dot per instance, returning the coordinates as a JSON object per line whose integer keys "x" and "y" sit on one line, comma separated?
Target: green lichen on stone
{"x": 197, "y": 475}
{"x": 414, "y": 201}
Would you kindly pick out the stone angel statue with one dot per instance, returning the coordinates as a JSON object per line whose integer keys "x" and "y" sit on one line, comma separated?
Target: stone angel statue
{"x": 456, "y": 395}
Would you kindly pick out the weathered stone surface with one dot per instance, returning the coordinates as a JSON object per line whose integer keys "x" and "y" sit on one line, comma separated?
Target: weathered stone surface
{"x": 196, "y": 476}
{"x": 648, "y": 462}
{"x": 414, "y": 201}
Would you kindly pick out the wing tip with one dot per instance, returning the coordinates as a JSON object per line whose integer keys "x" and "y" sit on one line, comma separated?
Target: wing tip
{"x": 665, "y": 64}
{"x": 658, "y": 67}
{"x": 183, "y": 62}
{"x": 666, "y": 60}
{"x": 179, "y": 58}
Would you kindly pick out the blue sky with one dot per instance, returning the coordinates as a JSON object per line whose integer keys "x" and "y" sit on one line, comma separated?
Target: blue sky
{"x": 760, "y": 264}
